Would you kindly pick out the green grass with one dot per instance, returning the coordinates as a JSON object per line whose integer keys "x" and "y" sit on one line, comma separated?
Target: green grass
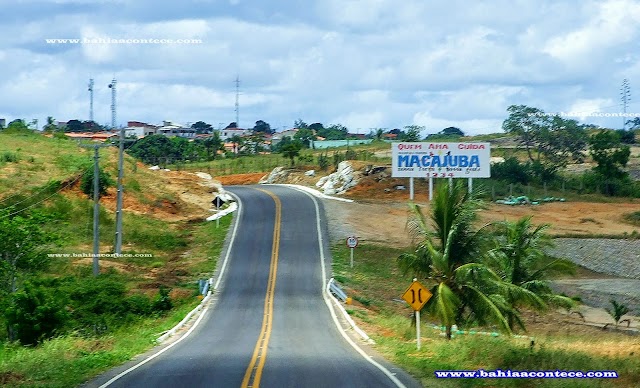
{"x": 375, "y": 279}
{"x": 71, "y": 360}
{"x": 182, "y": 252}
{"x": 633, "y": 218}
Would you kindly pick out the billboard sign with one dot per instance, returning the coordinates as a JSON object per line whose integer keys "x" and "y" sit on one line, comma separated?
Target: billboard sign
{"x": 440, "y": 160}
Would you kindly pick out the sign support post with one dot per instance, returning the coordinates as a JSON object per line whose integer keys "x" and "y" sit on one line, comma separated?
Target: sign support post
{"x": 417, "y": 296}
{"x": 352, "y": 242}
{"x": 430, "y": 189}
{"x": 411, "y": 188}
{"x": 418, "y": 329}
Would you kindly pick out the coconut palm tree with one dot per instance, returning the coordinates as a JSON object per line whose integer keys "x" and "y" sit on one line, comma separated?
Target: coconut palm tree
{"x": 449, "y": 256}
{"x": 519, "y": 259}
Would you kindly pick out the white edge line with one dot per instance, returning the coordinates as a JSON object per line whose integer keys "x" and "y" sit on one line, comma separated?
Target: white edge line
{"x": 156, "y": 354}
{"x": 233, "y": 237}
{"x": 179, "y": 325}
{"x": 369, "y": 359}
{"x": 347, "y": 316}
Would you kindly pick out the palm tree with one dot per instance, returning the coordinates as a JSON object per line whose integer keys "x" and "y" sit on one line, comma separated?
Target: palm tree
{"x": 448, "y": 255}
{"x": 519, "y": 259}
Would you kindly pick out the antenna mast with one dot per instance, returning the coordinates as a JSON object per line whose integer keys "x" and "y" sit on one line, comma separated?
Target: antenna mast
{"x": 112, "y": 86}
{"x": 625, "y": 94}
{"x": 91, "y": 100}
{"x": 238, "y": 101}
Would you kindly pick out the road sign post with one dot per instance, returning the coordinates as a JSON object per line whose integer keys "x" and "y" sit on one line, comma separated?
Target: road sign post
{"x": 417, "y": 296}
{"x": 352, "y": 242}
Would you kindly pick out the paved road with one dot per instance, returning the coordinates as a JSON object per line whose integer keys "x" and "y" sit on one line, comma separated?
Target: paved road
{"x": 270, "y": 325}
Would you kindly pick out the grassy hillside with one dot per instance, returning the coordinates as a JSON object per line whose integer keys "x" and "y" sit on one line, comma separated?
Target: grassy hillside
{"x": 163, "y": 220}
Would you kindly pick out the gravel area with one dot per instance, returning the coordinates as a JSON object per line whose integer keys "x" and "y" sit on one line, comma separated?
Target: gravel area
{"x": 608, "y": 256}
{"x": 599, "y": 292}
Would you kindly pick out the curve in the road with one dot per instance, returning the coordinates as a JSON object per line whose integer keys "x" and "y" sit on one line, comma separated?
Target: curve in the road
{"x": 279, "y": 240}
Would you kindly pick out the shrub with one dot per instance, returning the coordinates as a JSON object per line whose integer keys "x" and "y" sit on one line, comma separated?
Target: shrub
{"x": 163, "y": 301}
{"x": 34, "y": 314}
{"x": 512, "y": 171}
{"x": 104, "y": 182}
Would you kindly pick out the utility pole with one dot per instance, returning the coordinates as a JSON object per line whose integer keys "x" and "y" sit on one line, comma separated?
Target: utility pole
{"x": 625, "y": 96}
{"x": 118, "y": 245}
{"x": 91, "y": 100}
{"x": 96, "y": 206}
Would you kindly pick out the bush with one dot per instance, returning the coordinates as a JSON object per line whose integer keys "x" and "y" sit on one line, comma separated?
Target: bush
{"x": 104, "y": 182}
{"x": 163, "y": 301}
{"x": 35, "y": 314}
{"x": 98, "y": 303}
{"x": 512, "y": 171}
{"x": 323, "y": 162}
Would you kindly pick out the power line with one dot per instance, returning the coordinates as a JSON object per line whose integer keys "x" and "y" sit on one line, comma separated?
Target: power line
{"x": 44, "y": 199}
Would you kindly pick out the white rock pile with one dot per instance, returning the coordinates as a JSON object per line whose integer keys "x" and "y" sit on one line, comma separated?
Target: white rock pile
{"x": 340, "y": 181}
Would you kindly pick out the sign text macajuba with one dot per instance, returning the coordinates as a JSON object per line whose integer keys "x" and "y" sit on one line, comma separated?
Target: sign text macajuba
{"x": 441, "y": 160}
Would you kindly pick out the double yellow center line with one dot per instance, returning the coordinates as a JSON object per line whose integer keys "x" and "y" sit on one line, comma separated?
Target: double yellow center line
{"x": 253, "y": 374}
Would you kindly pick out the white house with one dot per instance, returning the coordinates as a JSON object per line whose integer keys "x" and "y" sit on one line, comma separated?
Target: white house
{"x": 228, "y": 133}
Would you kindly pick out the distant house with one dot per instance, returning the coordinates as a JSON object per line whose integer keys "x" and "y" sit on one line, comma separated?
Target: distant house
{"x": 390, "y": 136}
{"x": 278, "y": 136}
{"x": 228, "y": 133}
{"x": 171, "y": 129}
{"x": 139, "y": 129}
{"x": 360, "y": 136}
{"x": 3, "y": 123}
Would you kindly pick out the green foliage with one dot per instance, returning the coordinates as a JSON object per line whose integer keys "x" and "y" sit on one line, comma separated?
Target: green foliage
{"x": 323, "y": 161}
{"x": 618, "y": 311}
{"x": 161, "y": 150}
{"x": 291, "y": 150}
{"x": 633, "y": 218}
{"x": 9, "y": 157}
{"x": 202, "y": 127}
{"x": 305, "y": 136}
{"x": 511, "y": 171}
{"x": 305, "y": 158}
{"x": 104, "y": 182}
{"x": 608, "y": 152}
{"x": 333, "y": 132}
{"x": 163, "y": 301}
{"x": 22, "y": 249}
{"x": 627, "y": 137}
{"x": 551, "y": 142}
{"x": 263, "y": 127}
{"x": 464, "y": 290}
{"x": 412, "y": 133}
{"x": 35, "y": 313}
{"x": 350, "y": 154}
{"x": 518, "y": 258}
{"x": 17, "y": 127}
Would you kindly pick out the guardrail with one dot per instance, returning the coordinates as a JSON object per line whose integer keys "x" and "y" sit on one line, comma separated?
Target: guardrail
{"x": 337, "y": 291}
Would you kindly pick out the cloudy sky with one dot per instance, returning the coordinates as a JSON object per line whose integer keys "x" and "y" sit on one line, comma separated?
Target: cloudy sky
{"x": 362, "y": 63}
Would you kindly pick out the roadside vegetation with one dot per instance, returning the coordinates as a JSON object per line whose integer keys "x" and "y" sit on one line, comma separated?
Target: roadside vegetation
{"x": 60, "y": 324}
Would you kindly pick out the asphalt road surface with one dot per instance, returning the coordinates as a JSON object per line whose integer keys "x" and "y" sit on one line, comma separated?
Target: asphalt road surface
{"x": 270, "y": 325}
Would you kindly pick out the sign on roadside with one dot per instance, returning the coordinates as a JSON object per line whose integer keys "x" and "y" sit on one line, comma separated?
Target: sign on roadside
{"x": 440, "y": 160}
{"x": 416, "y": 295}
{"x": 352, "y": 241}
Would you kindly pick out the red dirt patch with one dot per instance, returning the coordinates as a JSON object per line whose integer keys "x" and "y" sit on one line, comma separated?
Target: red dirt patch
{"x": 241, "y": 179}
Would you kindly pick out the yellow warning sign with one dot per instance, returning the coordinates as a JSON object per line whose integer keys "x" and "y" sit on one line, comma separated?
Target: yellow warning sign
{"x": 416, "y": 295}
